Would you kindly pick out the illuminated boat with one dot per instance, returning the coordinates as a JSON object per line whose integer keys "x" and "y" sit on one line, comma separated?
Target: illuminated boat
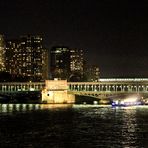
{"x": 131, "y": 101}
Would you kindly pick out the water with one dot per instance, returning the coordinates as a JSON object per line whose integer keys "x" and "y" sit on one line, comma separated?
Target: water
{"x": 77, "y": 126}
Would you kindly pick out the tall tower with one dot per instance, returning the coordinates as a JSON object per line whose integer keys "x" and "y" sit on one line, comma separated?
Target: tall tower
{"x": 28, "y": 57}
{"x": 76, "y": 65}
{"x": 77, "y": 61}
{"x": 2, "y": 53}
{"x": 32, "y": 57}
{"x": 60, "y": 62}
{"x": 92, "y": 73}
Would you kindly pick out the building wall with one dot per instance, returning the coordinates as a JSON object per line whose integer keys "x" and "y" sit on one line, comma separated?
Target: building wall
{"x": 92, "y": 73}
{"x": 77, "y": 62}
{"x": 60, "y": 62}
{"x": 57, "y": 97}
{"x": 12, "y": 55}
{"x": 66, "y": 62}
{"x": 27, "y": 57}
{"x": 2, "y": 53}
{"x": 56, "y": 92}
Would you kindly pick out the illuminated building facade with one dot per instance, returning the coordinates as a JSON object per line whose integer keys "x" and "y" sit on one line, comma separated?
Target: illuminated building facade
{"x": 77, "y": 63}
{"x": 60, "y": 62}
{"x": 2, "y": 53}
{"x": 93, "y": 73}
{"x": 56, "y": 91}
{"x": 27, "y": 57}
{"x": 12, "y": 50}
{"x": 66, "y": 63}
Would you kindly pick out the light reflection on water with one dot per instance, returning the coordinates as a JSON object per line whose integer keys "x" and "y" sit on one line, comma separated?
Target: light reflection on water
{"x": 61, "y": 126}
{"x": 129, "y": 126}
{"x": 10, "y": 108}
{"x": 117, "y": 127}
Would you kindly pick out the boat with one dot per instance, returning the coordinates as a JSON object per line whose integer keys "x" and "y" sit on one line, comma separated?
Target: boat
{"x": 133, "y": 101}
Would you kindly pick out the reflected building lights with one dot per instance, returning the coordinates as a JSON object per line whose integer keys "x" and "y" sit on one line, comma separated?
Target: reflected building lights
{"x": 129, "y": 127}
{"x": 10, "y": 108}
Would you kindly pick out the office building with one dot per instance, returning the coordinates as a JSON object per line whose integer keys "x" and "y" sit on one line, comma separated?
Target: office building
{"x": 77, "y": 63}
{"x": 92, "y": 73}
{"x": 27, "y": 57}
{"x": 2, "y": 53}
{"x": 66, "y": 63}
{"x": 60, "y": 62}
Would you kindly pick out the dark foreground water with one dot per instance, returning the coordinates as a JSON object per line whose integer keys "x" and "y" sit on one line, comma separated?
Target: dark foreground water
{"x": 78, "y": 126}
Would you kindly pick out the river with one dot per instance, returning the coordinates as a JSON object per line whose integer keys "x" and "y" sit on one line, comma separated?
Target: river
{"x": 73, "y": 126}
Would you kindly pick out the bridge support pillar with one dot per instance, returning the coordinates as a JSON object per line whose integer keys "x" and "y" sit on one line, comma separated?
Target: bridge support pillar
{"x": 56, "y": 92}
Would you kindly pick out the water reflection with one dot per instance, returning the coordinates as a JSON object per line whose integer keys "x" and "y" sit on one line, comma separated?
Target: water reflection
{"x": 129, "y": 127}
{"x": 79, "y": 126}
{"x": 117, "y": 127}
{"x": 10, "y": 108}
{"x": 55, "y": 106}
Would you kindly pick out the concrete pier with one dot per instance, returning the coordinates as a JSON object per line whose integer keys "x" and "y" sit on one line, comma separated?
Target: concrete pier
{"x": 55, "y": 91}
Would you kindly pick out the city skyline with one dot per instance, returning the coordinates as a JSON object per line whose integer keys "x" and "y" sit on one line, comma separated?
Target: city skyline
{"x": 113, "y": 35}
{"x": 26, "y": 59}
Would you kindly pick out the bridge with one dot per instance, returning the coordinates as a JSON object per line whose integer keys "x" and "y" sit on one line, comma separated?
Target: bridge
{"x": 104, "y": 88}
{"x": 14, "y": 87}
{"x": 110, "y": 87}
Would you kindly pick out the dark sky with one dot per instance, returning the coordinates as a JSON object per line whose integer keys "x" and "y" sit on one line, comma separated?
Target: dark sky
{"x": 114, "y": 35}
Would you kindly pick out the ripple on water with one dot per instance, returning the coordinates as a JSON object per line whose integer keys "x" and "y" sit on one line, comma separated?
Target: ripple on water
{"x": 30, "y": 125}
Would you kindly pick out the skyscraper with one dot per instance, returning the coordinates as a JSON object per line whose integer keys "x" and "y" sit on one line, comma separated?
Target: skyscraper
{"x": 2, "y": 53}
{"x": 77, "y": 63}
{"x": 28, "y": 56}
{"x": 66, "y": 63}
{"x": 92, "y": 73}
{"x": 60, "y": 62}
{"x": 11, "y": 57}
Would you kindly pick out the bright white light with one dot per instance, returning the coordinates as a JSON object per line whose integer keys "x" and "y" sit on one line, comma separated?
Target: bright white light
{"x": 32, "y": 89}
{"x": 131, "y": 99}
{"x": 95, "y": 102}
{"x": 122, "y": 102}
{"x": 117, "y": 102}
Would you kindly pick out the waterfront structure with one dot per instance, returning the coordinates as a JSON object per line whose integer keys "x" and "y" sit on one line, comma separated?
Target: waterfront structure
{"x": 112, "y": 85}
{"x": 56, "y": 91}
{"x": 27, "y": 57}
{"x": 110, "y": 89}
{"x": 16, "y": 87}
{"x": 103, "y": 85}
{"x": 2, "y": 53}
{"x": 103, "y": 89}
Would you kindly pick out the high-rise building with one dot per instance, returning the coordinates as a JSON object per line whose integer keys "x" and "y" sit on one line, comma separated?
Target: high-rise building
{"x": 66, "y": 63}
{"x": 92, "y": 73}
{"x": 28, "y": 57}
{"x": 11, "y": 57}
{"x": 60, "y": 62}
{"x": 77, "y": 63}
{"x": 2, "y": 53}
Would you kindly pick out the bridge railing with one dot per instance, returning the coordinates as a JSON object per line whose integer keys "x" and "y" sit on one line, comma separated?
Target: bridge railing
{"x": 21, "y": 86}
{"x": 102, "y": 86}
{"x": 109, "y": 86}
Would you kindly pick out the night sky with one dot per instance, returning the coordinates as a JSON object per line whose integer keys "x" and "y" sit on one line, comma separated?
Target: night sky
{"x": 114, "y": 35}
